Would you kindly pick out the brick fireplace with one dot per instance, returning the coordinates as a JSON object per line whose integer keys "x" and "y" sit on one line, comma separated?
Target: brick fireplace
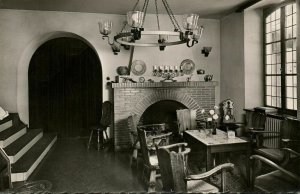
{"x": 135, "y": 98}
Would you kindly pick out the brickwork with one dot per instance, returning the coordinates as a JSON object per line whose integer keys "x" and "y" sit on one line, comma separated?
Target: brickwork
{"x": 135, "y": 98}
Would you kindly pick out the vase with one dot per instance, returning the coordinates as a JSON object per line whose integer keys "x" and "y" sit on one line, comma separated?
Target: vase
{"x": 214, "y": 129}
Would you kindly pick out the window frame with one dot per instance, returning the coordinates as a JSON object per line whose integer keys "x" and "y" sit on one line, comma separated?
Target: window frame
{"x": 266, "y": 13}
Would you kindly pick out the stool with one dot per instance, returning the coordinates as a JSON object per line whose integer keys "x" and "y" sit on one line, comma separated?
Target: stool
{"x": 100, "y": 139}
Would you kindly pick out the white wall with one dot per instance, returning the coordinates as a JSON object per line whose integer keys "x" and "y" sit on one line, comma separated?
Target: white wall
{"x": 22, "y": 32}
{"x": 232, "y": 61}
{"x": 253, "y": 53}
{"x": 242, "y": 60}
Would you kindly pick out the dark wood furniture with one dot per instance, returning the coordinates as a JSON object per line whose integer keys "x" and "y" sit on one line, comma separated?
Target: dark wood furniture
{"x": 148, "y": 145}
{"x": 277, "y": 133}
{"x": 218, "y": 143}
{"x": 280, "y": 179}
{"x": 5, "y": 172}
{"x": 105, "y": 122}
{"x": 151, "y": 130}
{"x": 173, "y": 161}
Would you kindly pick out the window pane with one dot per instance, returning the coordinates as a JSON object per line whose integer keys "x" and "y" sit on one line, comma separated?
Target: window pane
{"x": 295, "y": 92}
{"x": 288, "y": 33}
{"x": 289, "y": 103}
{"x": 295, "y": 104}
{"x": 274, "y": 101}
{"x": 289, "y": 68}
{"x": 268, "y": 101}
{"x": 294, "y": 56}
{"x": 278, "y": 91}
{"x": 288, "y": 9}
{"x": 289, "y": 80}
{"x": 289, "y": 92}
{"x": 289, "y": 57}
{"x": 295, "y": 80}
{"x": 269, "y": 70}
{"x": 268, "y": 90}
{"x": 278, "y": 81}
{"x": 289, "y": 21}
{"x": 294, "y": 31}
{"x": 268, "y": 80}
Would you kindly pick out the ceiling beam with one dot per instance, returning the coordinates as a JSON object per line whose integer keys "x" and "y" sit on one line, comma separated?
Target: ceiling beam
{"x": 246, "y": 5}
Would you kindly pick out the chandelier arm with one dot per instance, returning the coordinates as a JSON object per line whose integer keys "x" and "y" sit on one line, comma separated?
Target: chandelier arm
{"x": 145, "y": 7}
{"x": 134, "y": 7}
{"x": 108, "y": 39}
{"x": 171, "y": 15}
{"x": 157, "y": 15}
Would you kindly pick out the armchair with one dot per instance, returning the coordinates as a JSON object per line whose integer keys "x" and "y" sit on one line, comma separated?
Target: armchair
{"x": 269, "y": 142}
{"x": 281, "y": 179}
{"x": 148, "y": 149}
{"x": 174, "y": 164}
{"x": 151, "y": 130}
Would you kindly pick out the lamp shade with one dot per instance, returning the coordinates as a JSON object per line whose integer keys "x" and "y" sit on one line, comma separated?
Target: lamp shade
{"x": 105, "y": 27}
{"x": 135, "y": 19}
{"x": 197, "y": 33}
{"x": 190, "y": 21}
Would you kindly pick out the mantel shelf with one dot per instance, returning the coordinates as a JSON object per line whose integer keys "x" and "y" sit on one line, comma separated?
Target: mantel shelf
{"x": 165, "y": 84}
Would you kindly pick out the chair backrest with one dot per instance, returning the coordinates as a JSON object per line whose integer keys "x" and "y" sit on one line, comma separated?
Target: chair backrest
{"x": 144, "y": 146}
{"x": 186, "y": 120}
{"x": 106, "y": 113}
{"x": 173, "y": 167}
{"x": 179, "y": 170}
{"x": 255, "y": 119}
{"x": 291, "y": 130}
{"x": 132, "y": 124}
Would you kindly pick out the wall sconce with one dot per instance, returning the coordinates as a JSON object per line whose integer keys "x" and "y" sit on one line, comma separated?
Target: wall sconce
{"x": 206, "y": 51}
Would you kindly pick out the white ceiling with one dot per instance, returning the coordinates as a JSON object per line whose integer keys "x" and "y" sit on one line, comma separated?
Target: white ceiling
{"x": 205, "y": 8}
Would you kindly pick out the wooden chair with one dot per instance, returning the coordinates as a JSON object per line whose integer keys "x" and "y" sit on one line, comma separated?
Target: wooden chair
{"x": 148, "y": 145}
{"x": 103, "y": 125}
{"x": 278, "y": 133}
{"x": 175, "y": 176}
{"x": 152, "y": 130}
{"x": 280, "y": 179}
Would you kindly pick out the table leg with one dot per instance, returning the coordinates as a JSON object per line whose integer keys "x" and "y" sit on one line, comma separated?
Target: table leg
{"x": 208, "y": 159}
{"x": 248, "y": 166}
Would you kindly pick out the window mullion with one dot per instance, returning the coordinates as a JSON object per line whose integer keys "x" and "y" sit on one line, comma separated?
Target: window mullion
{"x": 283, "y": 61}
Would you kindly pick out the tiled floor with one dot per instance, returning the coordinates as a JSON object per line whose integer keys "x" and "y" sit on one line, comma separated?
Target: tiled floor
{"x": 70, "y": 167}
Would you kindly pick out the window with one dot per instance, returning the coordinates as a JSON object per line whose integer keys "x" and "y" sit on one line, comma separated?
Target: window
{"x": 280, "y": 58}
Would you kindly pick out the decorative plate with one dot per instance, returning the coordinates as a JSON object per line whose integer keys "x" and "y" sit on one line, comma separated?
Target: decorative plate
{"x": 138, "y": 67}
{"x": 187, "y": 66}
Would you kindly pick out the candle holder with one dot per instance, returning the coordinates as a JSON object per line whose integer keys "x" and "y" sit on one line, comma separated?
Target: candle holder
{"x": 167, "y": 72}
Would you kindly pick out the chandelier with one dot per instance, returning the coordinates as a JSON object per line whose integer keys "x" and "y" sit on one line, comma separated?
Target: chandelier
{"x": 134, "y": 34}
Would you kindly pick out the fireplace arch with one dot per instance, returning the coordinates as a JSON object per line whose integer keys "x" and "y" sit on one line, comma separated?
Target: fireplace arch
{"x": 135, "y": 98}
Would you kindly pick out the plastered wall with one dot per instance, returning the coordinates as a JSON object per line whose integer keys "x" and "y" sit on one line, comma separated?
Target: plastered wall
{"x": 22, "y": 32}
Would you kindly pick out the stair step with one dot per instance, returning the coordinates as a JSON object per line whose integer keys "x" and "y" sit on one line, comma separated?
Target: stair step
{"x": 6, "y": 122}
{"x": 23, "y": 168}
{"x": 19, "y": 147}
{"x": 11, "y": 134}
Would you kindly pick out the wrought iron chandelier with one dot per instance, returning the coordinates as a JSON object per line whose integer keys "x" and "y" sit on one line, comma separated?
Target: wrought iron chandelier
{"x": 133, "y": 32}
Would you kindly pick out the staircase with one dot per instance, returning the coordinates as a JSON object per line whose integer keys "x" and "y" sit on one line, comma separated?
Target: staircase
{"x": 25, "y": 148}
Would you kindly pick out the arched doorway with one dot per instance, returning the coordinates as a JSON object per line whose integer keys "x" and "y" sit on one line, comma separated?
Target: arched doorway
{"x": 65, "y": 87}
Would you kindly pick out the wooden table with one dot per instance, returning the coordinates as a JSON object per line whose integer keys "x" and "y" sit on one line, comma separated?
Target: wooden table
{"x": 218, "y": 143}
